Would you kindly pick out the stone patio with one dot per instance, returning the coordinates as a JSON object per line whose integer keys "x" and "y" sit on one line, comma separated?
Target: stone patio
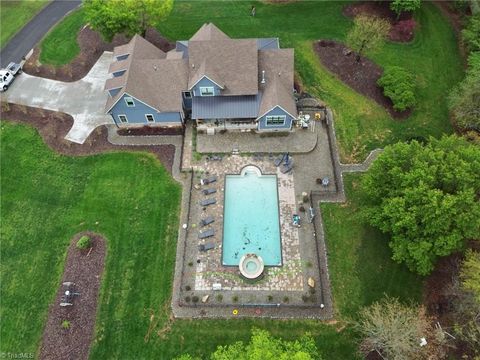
{"x": 209, "y": 271}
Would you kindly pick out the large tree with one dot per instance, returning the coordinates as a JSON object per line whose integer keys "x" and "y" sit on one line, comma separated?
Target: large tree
{"x": 426, "y": 198}
{"x": 368, "y": 33}
{"x": 400, "y": 6}
{"x": 471, "y": 33}
{"x": 263, "y": 346}
{"x": 395, "y": 331}
{"x": 125, "y": 16}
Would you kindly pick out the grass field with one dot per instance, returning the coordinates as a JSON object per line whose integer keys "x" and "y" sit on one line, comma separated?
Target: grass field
{"x": 60, "y": 46}
{"x": 359, "y": 257}
{"x": 15, "y": 14}
{"x": 135, "y": 203}
{"x": 47, "y": 198}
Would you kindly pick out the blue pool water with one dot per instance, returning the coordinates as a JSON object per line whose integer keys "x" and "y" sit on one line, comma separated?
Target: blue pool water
{"x": 251, "y": 218}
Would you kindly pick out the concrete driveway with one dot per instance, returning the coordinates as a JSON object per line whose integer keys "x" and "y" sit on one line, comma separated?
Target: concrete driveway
{"x": 84, "y": 99}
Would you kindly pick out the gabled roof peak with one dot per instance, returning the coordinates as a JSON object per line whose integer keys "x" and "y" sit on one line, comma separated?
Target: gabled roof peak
{"x": 208, "y": 32}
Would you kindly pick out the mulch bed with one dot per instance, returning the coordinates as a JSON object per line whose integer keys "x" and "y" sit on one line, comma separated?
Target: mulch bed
{"x": 402, "y": 29}
{"x": 84, "y": 268}
{"x": 53, "y": 126}
{"x": 361, "y": 76}
{"x": 92, "y": 47}
{"x": 151, "y": 131}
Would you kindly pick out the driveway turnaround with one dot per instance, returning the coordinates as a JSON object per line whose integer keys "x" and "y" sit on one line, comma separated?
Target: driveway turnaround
{"x": 84, "y": 99}
{"x": 31, "y": 33}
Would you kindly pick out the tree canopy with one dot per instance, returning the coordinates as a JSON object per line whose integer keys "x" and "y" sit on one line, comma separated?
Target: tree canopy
{"x": 399, "y": 85}
{"x": 400, "y": 6}
{"x": 426, "y": 198}
{"x": 367, "y": 34}
{"x": 128, "y": 17}
{"x": 263, "y": 346}
{"x": 471, "y": 33}
{"x": 394, "y": 330}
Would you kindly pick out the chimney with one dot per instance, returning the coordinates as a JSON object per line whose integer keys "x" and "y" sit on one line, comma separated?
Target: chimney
{"x": 263, "y": 77}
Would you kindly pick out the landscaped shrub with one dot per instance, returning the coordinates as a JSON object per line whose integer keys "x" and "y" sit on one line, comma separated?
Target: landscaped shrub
{"x": 269, "y": 298}
{"x": 471, "y": 34}
{"x": 305, "y": 298}
{"x": 398, "y": 85}
{"x": 235, "y": 298}
{"x": 195, "y": 299}
{"x": 84, "y": 242}
{"x": 187, "y": 299}
{"x": 188, "y": 288}
{"x": 286, "y": 299}
{"x": 66, "y": 324}
{"x": 219, "y": 297}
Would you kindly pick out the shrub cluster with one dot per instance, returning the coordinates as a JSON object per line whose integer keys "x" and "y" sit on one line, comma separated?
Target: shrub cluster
{"x": 84, "y": 242}
{"x": 398, "y": 85}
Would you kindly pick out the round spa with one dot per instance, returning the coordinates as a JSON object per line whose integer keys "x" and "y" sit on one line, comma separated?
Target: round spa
{"x": 251, "y": 266}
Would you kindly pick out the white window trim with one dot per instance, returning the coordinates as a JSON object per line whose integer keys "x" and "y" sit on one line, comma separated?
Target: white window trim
{"x": 153, "y": 118}
{"x": 207, "y": 87}
{"x": 275, "y": 116}
{"x": 129, "y": 97}
{"x": 126, "y": 118}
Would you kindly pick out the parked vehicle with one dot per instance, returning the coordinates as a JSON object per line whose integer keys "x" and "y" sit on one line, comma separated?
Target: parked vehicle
{"x": 7, "y": 75}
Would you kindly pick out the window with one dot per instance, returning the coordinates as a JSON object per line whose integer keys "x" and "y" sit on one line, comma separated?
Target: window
{"x": 150, "y": 118}
{"x": 122, "y": 57}
{"x": 187, "y": 94}
{"x": 129, "y": 101}
{"x": 207, "y": 91}
{"x": 276, "y": 120}
{"x": 123, "y": 118}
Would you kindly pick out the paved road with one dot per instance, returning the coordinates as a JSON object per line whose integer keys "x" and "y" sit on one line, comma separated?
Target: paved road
{"x": 34, "y": 31}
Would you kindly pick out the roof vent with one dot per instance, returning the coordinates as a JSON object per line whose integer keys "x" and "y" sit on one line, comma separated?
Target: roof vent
{"x": 263, "y": 77}
{"x": 193, "y": 66}
{"x": 155, "y": 67}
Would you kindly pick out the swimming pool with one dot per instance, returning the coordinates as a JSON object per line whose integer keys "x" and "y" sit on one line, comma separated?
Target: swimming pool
{"x": 251, "y": 218}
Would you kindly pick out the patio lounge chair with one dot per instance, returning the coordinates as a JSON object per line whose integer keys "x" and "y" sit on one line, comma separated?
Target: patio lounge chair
{"x": 207, "y": 202}
{"x": 286, "y": 169}
{"x": 209, "y": 180}
{"x": 209, "y": 191}
{"x": 206, "y": 234}
{"x": 206, "y": 247}
{"x": 208, "y": 220}
{"x": 279, "y": 160}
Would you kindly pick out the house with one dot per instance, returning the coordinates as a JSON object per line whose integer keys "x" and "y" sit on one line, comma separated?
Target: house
{"x": 219, "y": 82}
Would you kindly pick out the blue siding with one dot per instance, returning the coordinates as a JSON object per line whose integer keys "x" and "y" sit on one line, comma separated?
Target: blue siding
{"x": 119, "y": 73}
{"x": 187, "y": 102}
{"x": 136, "y": 114}
{"x": 275, "y": 111}
{"x": 203, "y": 83}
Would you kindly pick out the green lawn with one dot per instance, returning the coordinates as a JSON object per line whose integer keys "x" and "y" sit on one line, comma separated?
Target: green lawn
{"x": 60, "y": 46}
{"x": 359, "y": 257}
{"x": 361, "y": 124}
{"x": 15, "y": 14}
{"x": 47, "y": 198}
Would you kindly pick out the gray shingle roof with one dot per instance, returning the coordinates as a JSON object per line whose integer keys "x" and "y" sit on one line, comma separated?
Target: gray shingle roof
{"x": 278, "y": 87}
{"x": 225, "y": 107}
{"x": 231, "y": 63}
{"x": 209, "y": 32}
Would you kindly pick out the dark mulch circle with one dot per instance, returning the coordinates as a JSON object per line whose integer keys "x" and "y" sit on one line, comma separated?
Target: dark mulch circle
{"x": 92, "y": 47}
{"x": 361, "y": 76}
{"x": 53, "y": 126}
{"x": 151, "y": 131}
{"x": 84, "y": 268}
{"x": 402, "y": 29}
